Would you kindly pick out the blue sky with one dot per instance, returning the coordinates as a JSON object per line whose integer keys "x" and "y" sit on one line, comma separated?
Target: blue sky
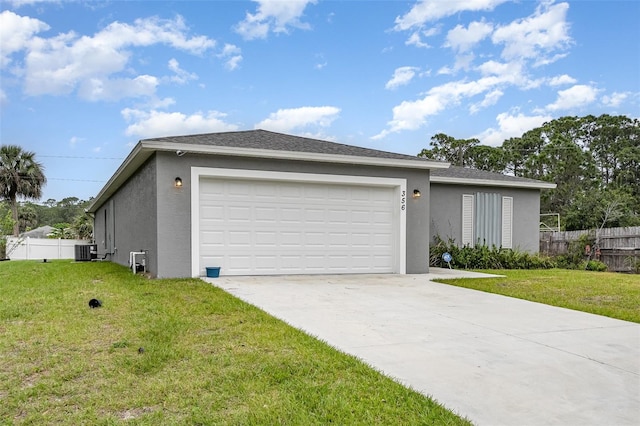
{"x": 83, "y": 81}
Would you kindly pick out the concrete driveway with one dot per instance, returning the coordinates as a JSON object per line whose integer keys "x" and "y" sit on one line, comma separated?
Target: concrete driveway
{"x": 493, "y": 359}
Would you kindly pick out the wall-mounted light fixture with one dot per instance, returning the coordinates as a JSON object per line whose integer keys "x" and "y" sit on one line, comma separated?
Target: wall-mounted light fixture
{"x": 178, "y": 182}
{"x": 416, "y": 193}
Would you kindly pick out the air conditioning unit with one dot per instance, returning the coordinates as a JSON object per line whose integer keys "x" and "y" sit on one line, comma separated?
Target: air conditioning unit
{"x": 83, "y": 253}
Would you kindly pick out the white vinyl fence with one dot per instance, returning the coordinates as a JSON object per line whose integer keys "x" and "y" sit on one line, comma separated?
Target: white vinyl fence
{"x": 19, "y": 248}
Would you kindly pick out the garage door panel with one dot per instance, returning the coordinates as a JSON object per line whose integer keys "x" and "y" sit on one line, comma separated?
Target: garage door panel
{"x": 315, "y": 216}
{"x": 212, "y": 212}
{"x": 265, "y": 214}
{"x": 382, "y": 240}
{"x": 381, "y": 217}
{"x": 338, "y": 216}
{"x": 291, "y": 239}
{"x": 239, "y": 189}
{"x": 314, "y": 240}
{"x": 266, "y": 239}
{"x": 290, "y": 215}
{"x": 250, "y": 227}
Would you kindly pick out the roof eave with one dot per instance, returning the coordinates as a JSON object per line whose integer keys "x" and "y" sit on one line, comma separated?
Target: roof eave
{"x": 294, "y": 155}
{"x": 492, "y": 182}
{"x": 145, "y": 148}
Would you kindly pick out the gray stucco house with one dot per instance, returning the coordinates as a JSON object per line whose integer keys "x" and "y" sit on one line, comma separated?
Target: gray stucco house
{"x": 264, "y": 203}
{"x": 259, "y": 203}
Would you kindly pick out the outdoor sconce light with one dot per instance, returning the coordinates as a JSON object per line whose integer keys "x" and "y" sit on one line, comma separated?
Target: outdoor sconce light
{"x": 416, "y": 193}
{"x": 178, "y": 183}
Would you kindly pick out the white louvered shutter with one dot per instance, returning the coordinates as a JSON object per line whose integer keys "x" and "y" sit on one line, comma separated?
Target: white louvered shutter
{"x": 467, "y": 219}
{"x": 507, "y": 222}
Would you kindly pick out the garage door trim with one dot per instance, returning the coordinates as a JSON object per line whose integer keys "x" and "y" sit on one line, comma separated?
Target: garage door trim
{"x": 400, "y": 186}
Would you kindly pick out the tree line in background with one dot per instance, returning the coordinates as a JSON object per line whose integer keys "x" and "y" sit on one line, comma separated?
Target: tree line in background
{"x": 66, "y": 216}
{"x": 594, "y": 161}
{"x": 21, "y": 176}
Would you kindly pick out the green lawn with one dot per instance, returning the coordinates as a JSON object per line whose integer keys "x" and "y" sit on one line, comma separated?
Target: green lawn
{"x": 207, "y": 358}
{"x": 603, "y": 293}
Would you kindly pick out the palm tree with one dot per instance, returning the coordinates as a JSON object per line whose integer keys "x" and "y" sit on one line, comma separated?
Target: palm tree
{"x": 20, "y": 176}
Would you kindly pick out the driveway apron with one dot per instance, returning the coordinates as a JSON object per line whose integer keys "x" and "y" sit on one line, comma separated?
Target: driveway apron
{"x": 493, "y": 359}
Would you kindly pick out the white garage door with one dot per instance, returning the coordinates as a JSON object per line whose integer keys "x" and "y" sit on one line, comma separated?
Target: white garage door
{"x": 267, "y": 227}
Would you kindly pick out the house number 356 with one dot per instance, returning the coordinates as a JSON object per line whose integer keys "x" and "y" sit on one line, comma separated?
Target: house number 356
{"x": 403, "y": 200}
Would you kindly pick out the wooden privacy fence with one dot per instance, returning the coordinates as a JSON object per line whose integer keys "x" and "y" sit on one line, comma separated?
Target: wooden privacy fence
{"x": 619, "y": 247}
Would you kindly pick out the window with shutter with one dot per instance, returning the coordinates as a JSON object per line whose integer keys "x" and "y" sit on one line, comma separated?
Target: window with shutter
{"x": 467, "y": 219}
{"x": 507, "y": 222}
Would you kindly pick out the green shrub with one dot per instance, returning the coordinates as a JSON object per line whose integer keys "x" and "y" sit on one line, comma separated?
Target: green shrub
{"x": 484, "y": 257}
{"x": 594, "y": 265}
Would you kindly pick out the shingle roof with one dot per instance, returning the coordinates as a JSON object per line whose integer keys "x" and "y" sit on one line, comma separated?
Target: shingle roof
{"x": 459, "y": 173}
{"x": 263, "y": 139}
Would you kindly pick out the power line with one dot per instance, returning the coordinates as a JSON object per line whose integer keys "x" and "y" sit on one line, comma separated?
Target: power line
{"x": 78, "y": 180}
{"x": 81, "y": 158}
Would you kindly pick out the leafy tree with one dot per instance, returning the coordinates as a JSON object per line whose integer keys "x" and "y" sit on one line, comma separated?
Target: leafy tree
{"x": 27, "y": 218}
{"x": 594, "y": 161}
{"x": 6, "y": 219}
{"x": 63, "y": 231}
{"x": 20, "y": 176}
{"x": 447, "y": 148}
{"x": 487, "y": 158}
{"x": 83, "y": 227}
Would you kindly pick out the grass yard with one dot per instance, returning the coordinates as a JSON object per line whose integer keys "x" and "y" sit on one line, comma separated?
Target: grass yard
{"x": 603, "y": 293}
{"x": 206, "y": 357}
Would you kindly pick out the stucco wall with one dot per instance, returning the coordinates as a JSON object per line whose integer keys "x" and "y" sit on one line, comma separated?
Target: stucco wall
{"x": 446, "y": 213}
{"x": 134, "y": 223}
{"x": 174, "y": 206}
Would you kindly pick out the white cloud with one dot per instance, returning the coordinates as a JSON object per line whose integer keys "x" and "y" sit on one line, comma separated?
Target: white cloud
{"x": 510, "y": 126}
{"x": 561, "y": 80}
{"x": 462, "y": 39}
{"x": 490, "y": 99}
{"x": 286, "y": 120}
{"x": 273, "y": 15}
{"x": 415, "y": 39}
{"x": 181, "y": 76}
{"x": 96, "y": 89}
{"x": 161, "y": 103}
{"x": 16, "y": 33}
{"x": 428, "y": 11}
{"x": 574, "y": 97}
{"x": 536, "y": 36}
{"x": 411, "y": 115}
{"x": 232, "y": 56}
{"x": 75, "y": 140}
{"x": 615, "y": 100}
{"x": 90, "y": 64}
{"x": 401, "y": 77}
{"x": 147, "y": 124}
{"x": 540, "y": 38}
